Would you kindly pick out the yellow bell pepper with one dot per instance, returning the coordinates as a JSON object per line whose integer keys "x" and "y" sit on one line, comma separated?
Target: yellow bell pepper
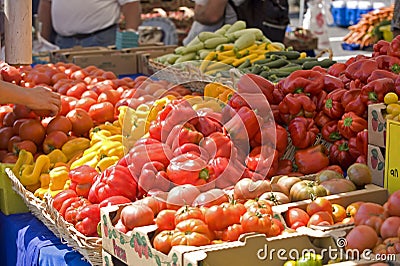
{"x": 158, "y": 105}
{"x": 225, "y": 96}
{"x": 93, "y": 148}
{"x": 40, "y": 192}
{"x": 67, "y": 184}
{"x": 84, "y": 159}
{"x": 44, "y": 180}
{"x": 117, "y": 151}
{"x": 58, "y": 177}
{"x": 75, "y": 146}
{"x": 106, "y": 126}
{"x": 57, "y": 156}
{"x": 212, "y": 104}
{"x": 30, "y": 174}
{"x": 24, "y": 158}
{"x": 106, "y": 162}
{"x": 108, "y": 145}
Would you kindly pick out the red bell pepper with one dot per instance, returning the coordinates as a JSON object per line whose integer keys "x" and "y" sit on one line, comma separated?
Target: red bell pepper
{"x": 340, "y": 154}
{"x": 353, "y": 149}
{"x": 227, "y": 172}
{"x": 351, "y": 124}
{"x": 155, "y": 130}
{"x": 72, "y": 211}
{"x": 362, "y": 142}
{"x": 321, "y": 119}
{"x": 303, "y": 81}
{"x": 397, "y": 86}
{"x": 354, "y": 84}
{"x": 182, "y": 134}
{"x": 59, "y": 199}
{"x": 152, "y": 177}
{"x": 189, "y": 169}
{"x": 252, "y": 83}
{"x": 332, "y": 83}
{"x": 380, "y": 48}
{"x": 237, "y": 102}
{"x": 285, "y": 167}
{"x": 330, "y": 131}
{"x": 319, "y": 69}
{"x": 82, "y": 179}
{"x": 352, "y": 102}
{"x": 375, "y": 91}
{"x": 277, "y": 138}
{"x": 319, "y": 99}
{"x": 206, "y": 125}
{"x": 217, "y": 145}
{"x": 66, "y": 204}
{"x": 361, "y": 69}
{"x": 296, "y": 105}
{"x": 115, "y": 180}
{"x": 303, "y": 132}
{"x": 276, "y": 113}
{"x": 361, "y": 159}
{"x": 88, "y": 219}
{"x": 263, "y": 160}
{"x": 139, "y": 155}
{"x": 114, "y": 200}
{"x": 244, "y": 125}
{"x": 192, "y": 148}
{"x": 387, "y": 62}
{"x": 394, "y": 47}
{"x": 311, "y": 160}
{"x": 333, "y": 104}
{"x": 337, "y": 69}
{"x": 380, "y": 73}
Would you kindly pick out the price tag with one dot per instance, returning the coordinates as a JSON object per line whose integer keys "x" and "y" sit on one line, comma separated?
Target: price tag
{"x": 392, "y": 160}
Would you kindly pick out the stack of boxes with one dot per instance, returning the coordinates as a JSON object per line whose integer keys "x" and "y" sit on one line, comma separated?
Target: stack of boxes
{"x": 347, "y": 13}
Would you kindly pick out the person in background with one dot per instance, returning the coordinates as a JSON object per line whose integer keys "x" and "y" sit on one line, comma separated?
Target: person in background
{"x": 37, "y": 98}
{"x": 396, "y": 19}
{"x": 86, "y": 23}
{"x": 210, "y": 15}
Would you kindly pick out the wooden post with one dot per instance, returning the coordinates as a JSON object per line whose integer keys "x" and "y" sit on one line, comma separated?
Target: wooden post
{"x": 18, "y": 32}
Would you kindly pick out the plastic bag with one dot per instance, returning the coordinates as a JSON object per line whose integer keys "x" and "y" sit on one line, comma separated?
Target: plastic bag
{"x": 42, "y": 45}
{"x": 315, "y": 21}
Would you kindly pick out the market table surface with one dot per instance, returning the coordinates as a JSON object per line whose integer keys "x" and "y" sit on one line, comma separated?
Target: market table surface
{"x": 27, "y": 241}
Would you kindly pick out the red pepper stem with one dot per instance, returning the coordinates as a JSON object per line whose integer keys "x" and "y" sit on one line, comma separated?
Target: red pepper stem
{"x": 344, "y": 146}
{"x": 372, "y": 96}
{"x": 204, "y": 174}
{"x": 328, "y": 103}
{"x": 348, "y": 121}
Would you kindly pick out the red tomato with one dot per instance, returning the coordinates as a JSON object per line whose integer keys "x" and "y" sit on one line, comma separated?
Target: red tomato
{"x": 57, "y": 77}
{"x": 232, "y": 232}
{"x": 90, "y": 94}
{"x": 320, "y": 218}
{"x": 187, "y": 212}
{"x": 17, "y": 124}
{"x": 109, "y": 75}
{"x": 229, "y": 210}
{"x": 27, "y": 145}
{"x": 319, "y": 204}
{"x": 77, "y": 90}
{"x": 54, "y": 140}
{"x": 210, "y": 198}
{"x": 102, "y": 112}
{"x": 136, "y": 215}
{"x": 59, "y": 123}
{"x": 111, "y": 96}
{"x": 41, "y": 78}
{"x": 21, "y": 111}
{"x": 100, "y": 87}
{"x": 361, "y": 237}
{"x": 390, "y": 227}
{"x": 393, "y": 204}
{"x": 79, "y": 74}
{"x": 162, "y": 241}
{"x": 256, "y": 222}
{"x": 338, "y": 213}
{"x": 261, "y": 206}
{"x": 85, "y": 103}
{"x": 181, "y": 195}
{"x": 155, "y": 203}
{"x": 12, "y": 141}
{"x": 65, "y": 103}
{"x": 81, "y": 121}
{"x": 296, "y": 217}
{"x": 276, "y": 228}
{"x": 10, "y": 158}
{"x": 32, "y": 130}
{"x": 9, "y": 119}
{"x": 165, "y": 220}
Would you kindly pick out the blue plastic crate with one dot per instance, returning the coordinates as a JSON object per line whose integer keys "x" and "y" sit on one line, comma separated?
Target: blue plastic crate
{"x": 126, "y": 39}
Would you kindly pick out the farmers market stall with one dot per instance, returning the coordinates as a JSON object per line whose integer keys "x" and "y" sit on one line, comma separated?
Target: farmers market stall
{"x": 233, "y": 144}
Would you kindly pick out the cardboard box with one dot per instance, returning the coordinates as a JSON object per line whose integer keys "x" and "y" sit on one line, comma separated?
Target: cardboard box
{"x": 376, "y": 124}
{"x": 64, "y": 55}
{"x": 392, "y": 162}
{"x": 376, "y": 162}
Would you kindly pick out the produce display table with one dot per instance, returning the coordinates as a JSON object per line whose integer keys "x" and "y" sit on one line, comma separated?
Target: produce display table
{"x": 34, "y": 244}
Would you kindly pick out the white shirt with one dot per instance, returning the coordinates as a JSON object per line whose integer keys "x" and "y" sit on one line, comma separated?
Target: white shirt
{"x": 85, "y": 16}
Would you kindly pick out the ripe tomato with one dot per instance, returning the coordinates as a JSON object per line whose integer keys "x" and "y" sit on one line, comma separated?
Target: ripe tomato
{"x": 320, "y": 218}
{"x": 181, "y": 195}
{"x": 40, "y": 78}
{"x": 22, "y": 111}
{"x": 136, "y": 215}
{"x": 10, "y": 74}
{"x": 276, "y": 228}
{"x": 370, "y": 214}
{"x": 296, "y": 217}
{"x": 165, "y": 220}
{"x": 338, "y": 213}
{"x": 9, "y": 119}
{"x": 33, "y": 130}
{"x": 319, "y": 204}
{"x": 65, "y": 104}
{"x": 155, "y": 203}
{"x": 231, "y": 212}
{"x": 111, "y": 96}
{"x": 85, "y": 103}
{"x": 54, "y": 140}
{"x": 10, "y": 158}
{"x": 192, "y": 232}
{"x": 232, "y": 232}
{"x": 100, "y": 87}
{"x": 57, "y": 77}
{"x": 3, "y": 111}
{"x": 393, "y": 204}
{"x": 259, "y": 205}
{"x": 187, "y": 212}
{"x": 256, "y": 222}
{"x": 361, "y": 237}
{"x": 210, "y": 198}
{"x": 102, "y": 112}
{"x": 80, "y": 120}
{"x": 77, "y": 90}
{"x": 79, "y": 74}
{"x": 162, "y": 241}
{"x": 13, "y": 139}
{"x": 389, "y": 227}
{"x": 352, "y": 209}
{"x": 27, "y": 145}
{"x": 90, "y": 94}
{"x": 109, "y": 75}
{"x": 5, "y": 135}
{"x": 59, "y": 123}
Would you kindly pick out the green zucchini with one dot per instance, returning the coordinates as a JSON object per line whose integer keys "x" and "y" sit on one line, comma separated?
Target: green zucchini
{"x": 289, "y": 54}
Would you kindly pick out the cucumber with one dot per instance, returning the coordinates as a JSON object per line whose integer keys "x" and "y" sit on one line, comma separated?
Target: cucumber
{"x": 263, "y": 61}
{"x": 245, "y": 64}
{"x": 277, "y": 63}
{"x": 205, "y": 35}
{"x": 256, "y": 69}
{"x": 325, "y": 63}
{"x": 289, "y": 54}
{"x": 289, "y": 69}
{"x": 214, "y": 42}
{"x": 244, "y": 41}
{"x": 238, "y": 25}
{"x": 301, "y": 61}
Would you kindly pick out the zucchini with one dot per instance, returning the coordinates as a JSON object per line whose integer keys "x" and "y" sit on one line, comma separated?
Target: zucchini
{"x": 263, "y": 61}
{"x": 277, "y": 63}
{"x": 289, "y": 54}
{"x": 235, "y": 35}
{"x": 325, "y": 63}
{"x": 244, "y": 41}
{"x": 204, "y": 52}
{"x": 205, "y": 35}
{"x": 179, "y": 50}
{"x": 186, "y": 57}
{"x": 214, "y": 42}
{"x": 195, "y": 40}
{"x": 172, "y": 58}
{"x": 289, "y": 69}
{"x": 192, "y": 48}
{"x": 238, "y": 25}
{"x": 245, "y": 64}
{"x": 256, "y": 69}
{"x": 301, "y": 61}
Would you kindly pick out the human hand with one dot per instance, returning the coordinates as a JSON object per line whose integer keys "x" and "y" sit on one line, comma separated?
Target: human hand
{"x": 41, "y": 98}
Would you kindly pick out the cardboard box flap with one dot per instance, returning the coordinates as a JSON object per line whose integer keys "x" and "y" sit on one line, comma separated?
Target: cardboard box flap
{"x": 376, "y": 124}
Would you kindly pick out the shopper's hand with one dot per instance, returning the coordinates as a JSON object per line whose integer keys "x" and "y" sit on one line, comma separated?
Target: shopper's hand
{"x": 41, "y": 98}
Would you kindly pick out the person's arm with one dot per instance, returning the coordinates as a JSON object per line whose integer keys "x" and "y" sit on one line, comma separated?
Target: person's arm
{"x": 210, "y": 13}
{"x": 38, "y": 98}
{"x": 132, "y": 12}
{"x": 44, "y": 16}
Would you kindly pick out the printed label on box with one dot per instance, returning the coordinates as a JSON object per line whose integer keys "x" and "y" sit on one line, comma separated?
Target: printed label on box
{"x": 376, "y": 125}
{"x": 376, "y": 163}
{"x": 392, "y": 181}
